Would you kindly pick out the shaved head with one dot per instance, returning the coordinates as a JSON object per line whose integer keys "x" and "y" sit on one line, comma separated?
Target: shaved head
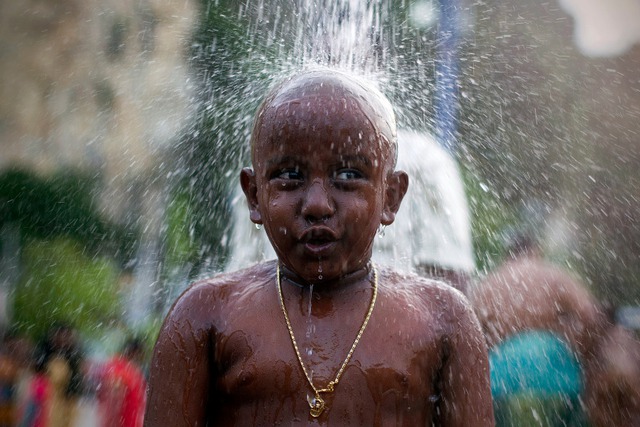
{"x": 315, "y": 102}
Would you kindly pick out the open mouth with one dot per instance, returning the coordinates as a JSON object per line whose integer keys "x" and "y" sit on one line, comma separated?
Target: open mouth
{"x": 318, "y": 241}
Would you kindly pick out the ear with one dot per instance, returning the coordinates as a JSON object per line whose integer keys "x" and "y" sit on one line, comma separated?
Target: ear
{"x": 397, "y": 185}
{"x": 250, "y": 189}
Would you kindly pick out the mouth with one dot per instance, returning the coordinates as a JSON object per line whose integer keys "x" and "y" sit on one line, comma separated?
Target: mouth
{"x": 319, "y": 241}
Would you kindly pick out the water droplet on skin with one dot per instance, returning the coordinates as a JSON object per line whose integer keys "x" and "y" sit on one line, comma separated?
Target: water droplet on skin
{"x": 310, "y": 327}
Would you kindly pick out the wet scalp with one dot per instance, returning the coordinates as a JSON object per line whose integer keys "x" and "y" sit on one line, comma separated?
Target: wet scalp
{"x": 307, "y": 88}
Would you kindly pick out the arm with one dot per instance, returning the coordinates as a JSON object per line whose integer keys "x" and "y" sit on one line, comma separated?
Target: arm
{"x": 180, "y": 377}
{"x": 465, "y": 382}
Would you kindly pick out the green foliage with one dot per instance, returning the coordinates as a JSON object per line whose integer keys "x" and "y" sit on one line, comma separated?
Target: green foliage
{"x": 53, "y": 206}
{"x": 148, "y": 333}
{"x": 60, "y": 205}
{"x": 69, "y": 253}
{"x": 181, "y": 246}
{"x": 219, "y": 23}
{"x": 61, "y": 283}
{"x": 490, "y": 217}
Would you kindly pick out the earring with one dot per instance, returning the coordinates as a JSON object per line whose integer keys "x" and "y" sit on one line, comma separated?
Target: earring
{"x": 258, "y": 226}
{"x": 381, "y": 230}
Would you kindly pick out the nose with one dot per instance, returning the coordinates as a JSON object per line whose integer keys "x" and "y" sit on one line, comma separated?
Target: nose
{"x": 317, "y": 204}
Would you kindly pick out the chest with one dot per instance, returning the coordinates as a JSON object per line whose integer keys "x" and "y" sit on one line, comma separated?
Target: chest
{"x": 393, "y": 361}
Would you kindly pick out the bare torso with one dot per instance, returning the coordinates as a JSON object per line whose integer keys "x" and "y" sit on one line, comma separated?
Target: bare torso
{"x": 233, "y": 362}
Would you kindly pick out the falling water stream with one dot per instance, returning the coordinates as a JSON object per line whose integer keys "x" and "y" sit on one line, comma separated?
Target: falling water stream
{"x": 529, "y": 145}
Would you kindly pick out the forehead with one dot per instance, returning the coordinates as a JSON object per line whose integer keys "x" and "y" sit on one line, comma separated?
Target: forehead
{"x": 328, "y": 112}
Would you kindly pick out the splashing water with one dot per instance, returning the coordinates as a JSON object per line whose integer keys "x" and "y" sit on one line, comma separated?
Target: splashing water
{"x": 359, "y": 37}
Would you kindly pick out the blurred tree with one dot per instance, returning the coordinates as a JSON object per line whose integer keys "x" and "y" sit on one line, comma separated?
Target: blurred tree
{"x": 61, "y": 205}
{"x": 62, "y": 283}
{"x": 490, "y": 218}
{"x": 70, "y": 257}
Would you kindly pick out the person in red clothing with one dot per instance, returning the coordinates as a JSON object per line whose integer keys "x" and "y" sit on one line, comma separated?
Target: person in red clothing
{"x": 122, "y": 386}
{"x": 36, "y": 410}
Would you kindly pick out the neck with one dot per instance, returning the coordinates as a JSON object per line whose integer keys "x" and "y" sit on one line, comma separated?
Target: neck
{"x": 346, "y": 281}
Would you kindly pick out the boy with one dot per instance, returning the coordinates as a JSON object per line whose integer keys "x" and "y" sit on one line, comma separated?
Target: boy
{"x": 320, "y": 335}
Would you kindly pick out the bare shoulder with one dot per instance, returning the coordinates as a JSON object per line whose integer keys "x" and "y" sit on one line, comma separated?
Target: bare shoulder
{"x": 208, "y": 299}
{"x": 422, "y": 288}
{"x": 432, "y": 300}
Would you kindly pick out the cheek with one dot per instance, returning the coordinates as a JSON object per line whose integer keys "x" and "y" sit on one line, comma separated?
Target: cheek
{"x": 360, "y": 213}
{"x": 272, "y": 201}
{"x": 277, "y": 211}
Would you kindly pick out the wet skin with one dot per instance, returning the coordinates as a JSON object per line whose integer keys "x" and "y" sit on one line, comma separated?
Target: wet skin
{"x": 323, "y": 182}
{"x": 324, "y": 179}
{"x": 224, "y": 357}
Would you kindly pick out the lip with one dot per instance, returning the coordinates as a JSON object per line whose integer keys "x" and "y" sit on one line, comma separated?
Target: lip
{"x": 319, "y": 240}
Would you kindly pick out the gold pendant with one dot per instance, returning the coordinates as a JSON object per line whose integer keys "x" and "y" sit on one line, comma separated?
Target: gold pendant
{"x": 317, "y": 403}
{"x": 317, "y": 406}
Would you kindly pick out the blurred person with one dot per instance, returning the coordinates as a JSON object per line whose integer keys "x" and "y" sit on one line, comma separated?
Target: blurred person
{"x": 8, "y": 374}
{"x": 121, "y": 387}
{"x": 542, "y": 326}
{"x": 54, "y": 390}
{"x": 15, "y": 356}
{"x": 35, "y": 409}
{"x": 526, "y": 292}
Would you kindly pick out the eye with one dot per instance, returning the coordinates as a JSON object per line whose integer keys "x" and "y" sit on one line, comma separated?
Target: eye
{"x": 286, "y": 174}
{"x": 290, "y": 174}
{"x": 347, "y": 175}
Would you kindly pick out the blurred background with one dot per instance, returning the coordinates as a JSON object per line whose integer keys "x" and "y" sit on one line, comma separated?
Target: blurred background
{"x": 124, "y": 124}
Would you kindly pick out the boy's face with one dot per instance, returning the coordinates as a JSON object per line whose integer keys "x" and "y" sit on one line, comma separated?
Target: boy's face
{"x": 322, "y": 185}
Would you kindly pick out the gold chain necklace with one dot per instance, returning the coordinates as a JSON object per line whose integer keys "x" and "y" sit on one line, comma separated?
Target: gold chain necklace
{"x": 317, "y": 403}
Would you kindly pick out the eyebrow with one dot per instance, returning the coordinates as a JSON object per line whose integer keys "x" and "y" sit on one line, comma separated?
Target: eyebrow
{"x": 358, "y": 158}
{"x": 349, "y": 159}
{"x": 281, "y": 160}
